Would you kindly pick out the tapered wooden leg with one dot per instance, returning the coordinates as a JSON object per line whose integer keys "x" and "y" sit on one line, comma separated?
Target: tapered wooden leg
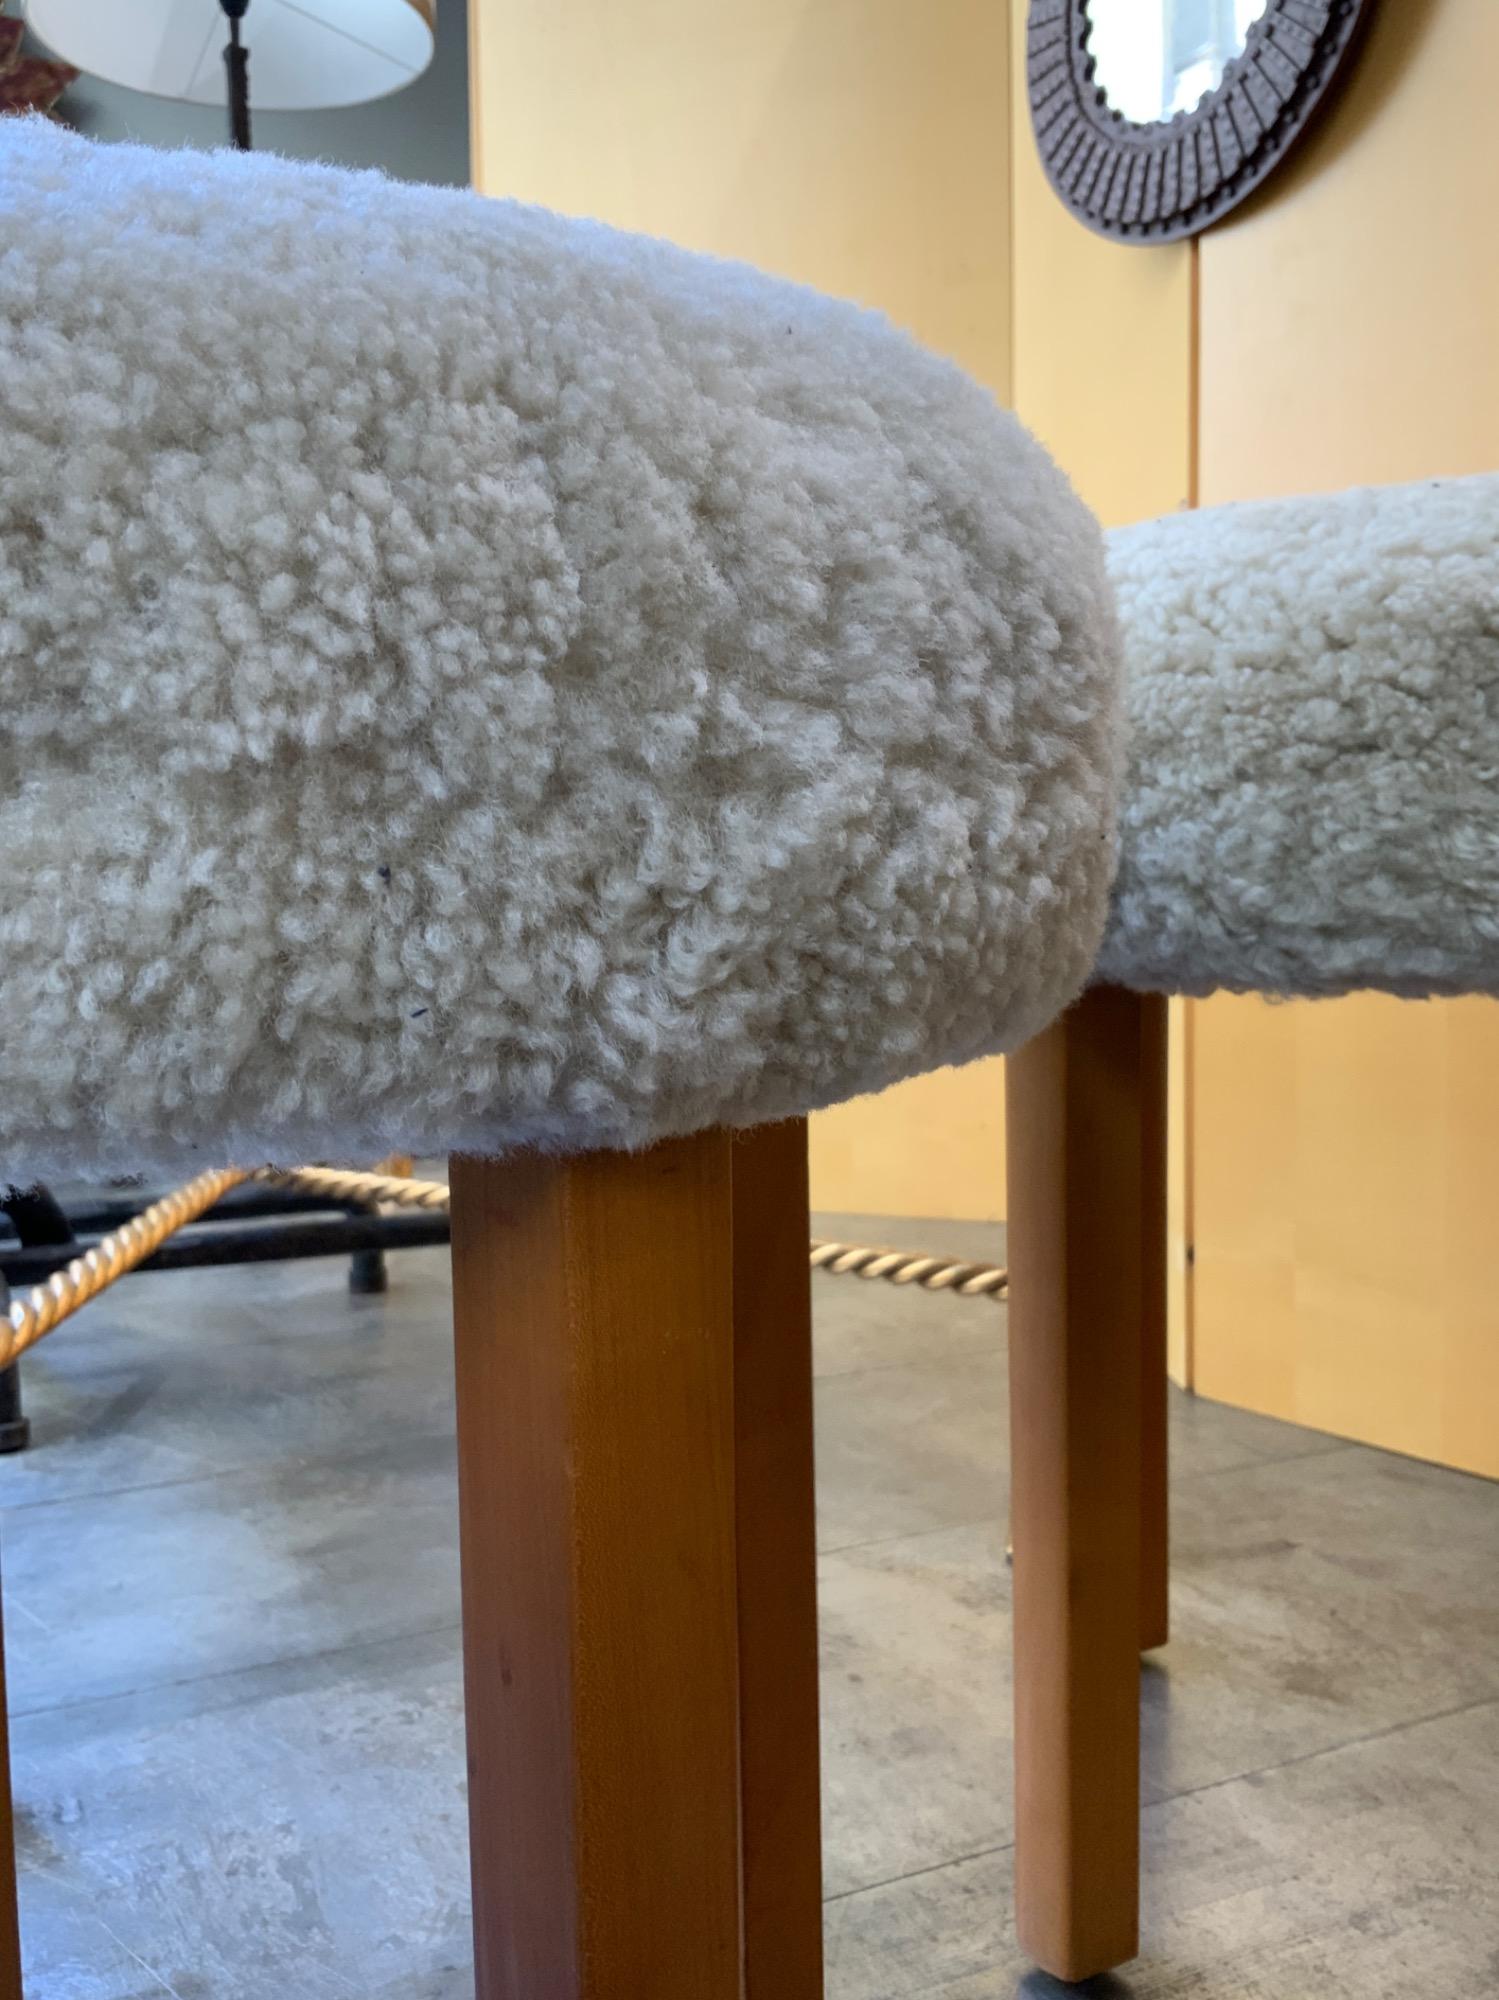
{"x": 592, "y": 1304}
{"x": 1155, "y": 1528}
{"x": 777, "y": 1566}
{"x": 10, "y": 1929}
{"x": 1075, "y": 1233}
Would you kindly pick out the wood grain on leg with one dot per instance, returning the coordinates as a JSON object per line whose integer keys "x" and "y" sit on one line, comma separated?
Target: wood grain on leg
{"x": 1075, "y": 1195}
{"x": 1155, "y": 1524}
{"x": 592, "y": 1304}
{"x": 777, "y": 1566}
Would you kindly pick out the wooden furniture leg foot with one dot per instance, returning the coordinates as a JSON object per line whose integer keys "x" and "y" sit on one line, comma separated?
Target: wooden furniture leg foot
{"x": 777, "y": 1566}
{"x": 1075, "y": 1209}
{"x": 592, "y": 1308}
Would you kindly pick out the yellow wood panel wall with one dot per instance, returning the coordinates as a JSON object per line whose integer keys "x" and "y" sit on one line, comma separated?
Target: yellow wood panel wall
{"x": 858, "y": 145}
{"x": 1102, "y": 355}
{"x": 1102, "y": 363}
{"x": 1345, "y": 1154}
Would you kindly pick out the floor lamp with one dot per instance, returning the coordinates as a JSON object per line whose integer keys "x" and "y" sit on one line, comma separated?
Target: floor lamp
{"x": 309, "y": 54}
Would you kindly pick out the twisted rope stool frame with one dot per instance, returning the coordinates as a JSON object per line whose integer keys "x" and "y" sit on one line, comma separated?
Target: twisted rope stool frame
{"x": 42, "y": 1307}
{"x": 53, "y": 1267}
{"x": 29, "y": 1318}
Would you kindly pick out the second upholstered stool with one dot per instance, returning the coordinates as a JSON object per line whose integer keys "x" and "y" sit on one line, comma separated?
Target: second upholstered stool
{"x": 1310, "y": 809}
{"x": 476, "y": 682}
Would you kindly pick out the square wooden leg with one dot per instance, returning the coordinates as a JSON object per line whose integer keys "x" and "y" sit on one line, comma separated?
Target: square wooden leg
{"x": 635, "y": 1471}
{"x": 592, "y": 1309}
{"x": 775, "y": 1510}
{"x": 1074, "y": 1110}
{"x": 1155, "y": 1518}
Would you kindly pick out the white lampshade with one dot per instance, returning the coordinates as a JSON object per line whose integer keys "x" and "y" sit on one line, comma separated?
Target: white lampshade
{"x": 303, "y": 56}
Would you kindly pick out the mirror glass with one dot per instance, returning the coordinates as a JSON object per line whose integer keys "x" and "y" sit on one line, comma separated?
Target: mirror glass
{"x": 1154, "y": 58}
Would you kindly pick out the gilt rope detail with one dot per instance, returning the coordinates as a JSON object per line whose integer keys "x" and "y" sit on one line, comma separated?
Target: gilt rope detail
{"x": 40, "y": 1308}
{"x": 36, "y": 1311}
{"x": 964, "y": 1278}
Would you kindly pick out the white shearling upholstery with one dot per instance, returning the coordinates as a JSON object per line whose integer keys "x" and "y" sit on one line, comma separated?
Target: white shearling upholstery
{"x": 1312, "y": 801}
{"x": 470, "y": 679}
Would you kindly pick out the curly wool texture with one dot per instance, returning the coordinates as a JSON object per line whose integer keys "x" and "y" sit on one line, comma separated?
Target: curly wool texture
{"x": 1312, "y": 802}
{"x": 471, "y": 679}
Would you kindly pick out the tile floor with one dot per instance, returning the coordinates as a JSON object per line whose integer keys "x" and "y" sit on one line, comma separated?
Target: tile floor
{"x": 232, "y": 1623}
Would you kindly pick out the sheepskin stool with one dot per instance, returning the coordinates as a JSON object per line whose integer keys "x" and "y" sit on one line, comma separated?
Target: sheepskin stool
{"x": 474, "y": 679}
{"x": 1311, "y": 807}
{"x": 1313, "y": 701}
{"x": 477, "y": 682}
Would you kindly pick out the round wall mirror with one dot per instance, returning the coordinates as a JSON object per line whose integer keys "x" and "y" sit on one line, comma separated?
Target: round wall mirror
{"x": 1154, "y": 59}
{"x": 1155, "y": 117}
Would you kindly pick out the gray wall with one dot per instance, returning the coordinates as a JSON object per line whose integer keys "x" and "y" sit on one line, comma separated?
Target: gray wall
{"x": 420, "y": 134}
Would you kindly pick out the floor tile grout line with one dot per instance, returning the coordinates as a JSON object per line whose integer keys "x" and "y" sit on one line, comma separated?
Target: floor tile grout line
{"x": 1324, "y": 1750}
{"x": 91, "y": 1493}
{"x": 1186, "y": 1479}
{"x": 245, "y": 1469}
{"x": 1260, "y": 1464}
{"x": 914, "y": 1535}
{"x": 916, "y": 1874}
{"x": 147, "y": 1689}
{"x": 150, "y": 1970}
{"x": 1175, "y": 1798}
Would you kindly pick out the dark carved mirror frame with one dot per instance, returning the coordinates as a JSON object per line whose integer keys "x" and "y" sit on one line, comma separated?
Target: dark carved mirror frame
{"x": 1157, "y": 183}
